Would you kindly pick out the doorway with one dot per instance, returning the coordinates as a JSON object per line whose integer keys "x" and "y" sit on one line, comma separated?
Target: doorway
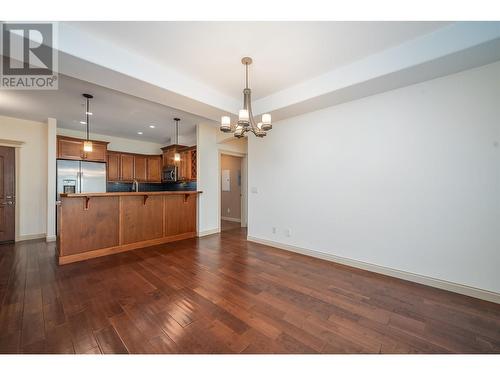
{"x": 233, "y": 183}
{"x": 7, "y": 194}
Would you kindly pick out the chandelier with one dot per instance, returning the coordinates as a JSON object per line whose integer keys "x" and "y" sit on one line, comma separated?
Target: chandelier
{"x": 246, "y": 121}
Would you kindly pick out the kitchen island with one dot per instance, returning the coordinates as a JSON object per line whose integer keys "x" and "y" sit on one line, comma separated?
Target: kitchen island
{"x": 91, "y": 225}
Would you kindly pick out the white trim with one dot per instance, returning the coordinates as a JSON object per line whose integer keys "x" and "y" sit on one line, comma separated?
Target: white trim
{"x": 208, "y": 232}
{"x": 27, "y": 237}
{"x": 50, "y": 238}
{"x": 236, "y": 220}
{"x": 420, "y": 279}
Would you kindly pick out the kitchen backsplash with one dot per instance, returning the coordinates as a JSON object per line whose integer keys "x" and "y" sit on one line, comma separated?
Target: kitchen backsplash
{"x": 145, "y": 186}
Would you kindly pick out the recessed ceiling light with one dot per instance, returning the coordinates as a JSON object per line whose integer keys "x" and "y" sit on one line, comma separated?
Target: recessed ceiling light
{"x": 152, "y": 126}
{"x": 140, "y": 133}
{"x": 83, "y": 123}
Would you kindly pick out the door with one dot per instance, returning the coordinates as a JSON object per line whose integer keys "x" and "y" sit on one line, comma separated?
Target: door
{"x": 69, "y": 149}
{"x": 7, "y": 194}
{"x": 140, "y": 168}
{"x": 98, "y": 152}
{"x": 126, "y": 167}
{"x": 93, "y": 177}
{"x": 154, "y": 168}
{"x": 113, "y": 166}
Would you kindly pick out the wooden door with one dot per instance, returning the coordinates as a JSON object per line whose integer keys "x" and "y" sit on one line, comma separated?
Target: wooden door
{"x": 69, "y": 148}
{"x": 141, "y": 168}
{"x": 7, "y": 194}
{"x": 154, "y": 168}
{"x": 98, "y": 152}
{"x": 126, "y": 167}
{"x": 113, "y": 166}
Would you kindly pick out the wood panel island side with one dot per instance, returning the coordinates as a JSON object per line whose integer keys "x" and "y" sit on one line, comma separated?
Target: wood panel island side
{"x": 91, "y": 225}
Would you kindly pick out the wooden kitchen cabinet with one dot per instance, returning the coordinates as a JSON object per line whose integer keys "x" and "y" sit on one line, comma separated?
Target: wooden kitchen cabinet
{"x": 154, "y": 168}
{"x": 140, "y": 168}
{"x": 72, "y": 149}
{"x": 98, "y": 152}
{"x": 187, "y": 165}
{"x": 168, "y": 155}
{"x": 69, "y": 148}
{"x": 113, "y": 166}
{"x": 126, "y": 167}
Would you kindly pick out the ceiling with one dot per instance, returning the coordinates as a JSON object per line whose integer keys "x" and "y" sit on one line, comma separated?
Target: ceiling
{"x": 144, "y": 73}
{"x": 114, "y": 113}
{"x": 284, "y": 53}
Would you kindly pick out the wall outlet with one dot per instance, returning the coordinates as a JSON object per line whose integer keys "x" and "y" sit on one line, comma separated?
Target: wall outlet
{"x": 288, "y": 232}
{"x": 274, "y": 230}
{"x": 228, "y": 210}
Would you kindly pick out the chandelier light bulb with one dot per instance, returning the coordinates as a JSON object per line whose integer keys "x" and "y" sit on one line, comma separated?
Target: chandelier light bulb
{"x": 243, "y": 115}
{"x": 266, "y": 118}
{"x": 225, "y": 124}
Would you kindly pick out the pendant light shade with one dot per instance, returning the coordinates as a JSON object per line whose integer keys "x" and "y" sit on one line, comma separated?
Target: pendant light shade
{"x": 87, "y": 144}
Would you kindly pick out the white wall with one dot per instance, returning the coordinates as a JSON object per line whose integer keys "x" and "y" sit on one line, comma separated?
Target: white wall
{"x": 408, "y": 179}
{"x": 31, "y": 174}
{"x": 211, "y": 143}
{"x": 207, "y": 179}
{"x": 117, "y": 143}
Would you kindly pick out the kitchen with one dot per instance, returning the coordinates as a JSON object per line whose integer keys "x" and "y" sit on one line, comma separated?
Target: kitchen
{"x": 112, "y": 199}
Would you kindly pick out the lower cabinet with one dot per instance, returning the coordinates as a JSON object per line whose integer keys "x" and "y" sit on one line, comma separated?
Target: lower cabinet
{"x": 180, "y": 214}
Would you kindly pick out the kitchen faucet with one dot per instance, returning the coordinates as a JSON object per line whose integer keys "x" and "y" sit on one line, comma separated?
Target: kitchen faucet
{"x": 135, "y": 185}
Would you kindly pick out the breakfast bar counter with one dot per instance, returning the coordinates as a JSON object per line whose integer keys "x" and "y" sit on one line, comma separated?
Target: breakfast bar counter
{"x": 91, "y": 225}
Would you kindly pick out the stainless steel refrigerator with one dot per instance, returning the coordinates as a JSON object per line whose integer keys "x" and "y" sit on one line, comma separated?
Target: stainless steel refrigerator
{"x": 75, "y": 176}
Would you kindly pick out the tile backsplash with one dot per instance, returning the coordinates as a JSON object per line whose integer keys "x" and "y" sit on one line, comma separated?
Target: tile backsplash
{"x": 113, "y": 187}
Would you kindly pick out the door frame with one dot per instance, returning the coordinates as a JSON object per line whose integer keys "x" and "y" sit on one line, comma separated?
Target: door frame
{"x": 244, "y": 189}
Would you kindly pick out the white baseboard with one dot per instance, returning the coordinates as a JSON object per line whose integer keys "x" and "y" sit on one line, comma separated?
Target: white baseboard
{"x": 231, "y": 219}
{"x": 420, "y": 279}
{"x": 50, "y": 238}
{"x": 27, "y": 237}
{"x": 208, "y": 232}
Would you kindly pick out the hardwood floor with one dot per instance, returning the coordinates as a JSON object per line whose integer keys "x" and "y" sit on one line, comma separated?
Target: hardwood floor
{"x": 221, "y": 294}
{"x": 229, "y": 225}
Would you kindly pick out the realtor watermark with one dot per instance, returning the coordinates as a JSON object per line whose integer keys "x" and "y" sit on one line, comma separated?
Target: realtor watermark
{"x": 29, "y": 56}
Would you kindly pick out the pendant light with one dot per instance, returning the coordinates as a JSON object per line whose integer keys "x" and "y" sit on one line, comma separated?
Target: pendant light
{"x": 177, "y": 156}
{"x": 87, "y": 144}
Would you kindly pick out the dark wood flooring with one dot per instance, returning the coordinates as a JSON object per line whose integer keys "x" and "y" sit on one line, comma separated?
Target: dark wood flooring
{"x": 221, "y": 294}
{"x": 229, "y": 225}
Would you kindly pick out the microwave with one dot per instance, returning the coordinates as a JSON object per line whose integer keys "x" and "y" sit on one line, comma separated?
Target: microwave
{"x": 169, "y": 174}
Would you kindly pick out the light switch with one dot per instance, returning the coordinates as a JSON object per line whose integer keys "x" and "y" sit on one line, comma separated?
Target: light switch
{"x": 255, "y": 190}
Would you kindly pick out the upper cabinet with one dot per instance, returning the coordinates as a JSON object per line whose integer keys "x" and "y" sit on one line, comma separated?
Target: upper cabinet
{"x": 141, "y": 168}
{"x": 72, "y": 149}
{"x": 187, "y": 164}
{"x": 113, "y": 166}
{"x": 126, "y": 167}
{"x": 154, "y": 168}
